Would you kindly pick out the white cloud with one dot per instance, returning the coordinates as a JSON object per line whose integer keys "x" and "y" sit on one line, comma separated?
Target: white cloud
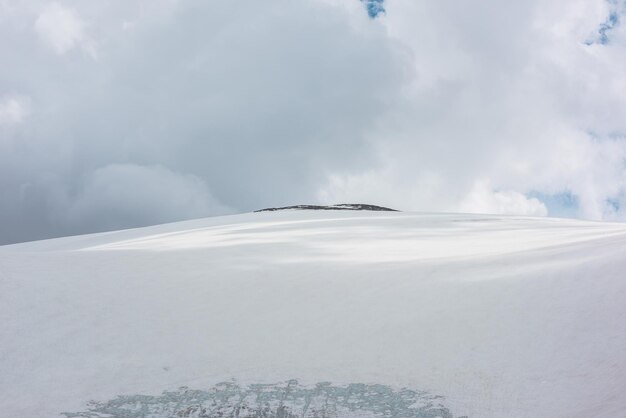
{"x": 505, "y": 94}
{"x": 483, "y": 199}
{"x": 62, "y": 29}
{"x": 13, "y": 109}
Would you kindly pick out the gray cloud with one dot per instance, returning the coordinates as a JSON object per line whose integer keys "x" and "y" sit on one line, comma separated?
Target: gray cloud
{"x": 128, "y": 113}
{"x": 257, "y": 101}
{"x": 118, "y": 195}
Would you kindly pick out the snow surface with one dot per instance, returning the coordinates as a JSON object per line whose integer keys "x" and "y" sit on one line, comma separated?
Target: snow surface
{"x": 504, "y": 316}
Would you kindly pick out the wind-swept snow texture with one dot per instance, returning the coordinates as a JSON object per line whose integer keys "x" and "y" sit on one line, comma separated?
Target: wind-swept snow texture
{"x": 502, "y": 316}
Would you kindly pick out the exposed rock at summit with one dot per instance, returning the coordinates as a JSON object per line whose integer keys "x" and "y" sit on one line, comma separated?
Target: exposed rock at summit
{"x": 342, "y": 206}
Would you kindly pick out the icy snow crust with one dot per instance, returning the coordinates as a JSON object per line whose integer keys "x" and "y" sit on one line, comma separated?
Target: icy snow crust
{"x": 288, "y": 400}
{"x": 503, "y": 316}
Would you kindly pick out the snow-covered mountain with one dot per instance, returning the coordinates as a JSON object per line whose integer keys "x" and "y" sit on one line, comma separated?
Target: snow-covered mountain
{"x": 502, "y": 316}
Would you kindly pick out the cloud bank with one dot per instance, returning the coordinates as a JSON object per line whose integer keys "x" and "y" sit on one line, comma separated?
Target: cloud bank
{"x": 127, "y": 113}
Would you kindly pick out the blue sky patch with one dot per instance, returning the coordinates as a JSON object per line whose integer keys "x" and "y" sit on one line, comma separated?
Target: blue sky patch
{"x": 602, "y": 36}
{"x": 613, "y": 204}
{"x": 606, "y": 27}
{"x": 561, "y": 205}
{"x": 374, "y": 7}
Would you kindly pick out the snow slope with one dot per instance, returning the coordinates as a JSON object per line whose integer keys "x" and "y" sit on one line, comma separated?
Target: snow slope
{"x": 504, "y": 316}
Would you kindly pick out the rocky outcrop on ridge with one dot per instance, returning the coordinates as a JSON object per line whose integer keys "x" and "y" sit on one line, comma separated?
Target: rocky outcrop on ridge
{"x": 342, "y": 206}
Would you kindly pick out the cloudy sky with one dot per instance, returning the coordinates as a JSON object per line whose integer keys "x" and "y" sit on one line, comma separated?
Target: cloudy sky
{"x": 123, "y": 113}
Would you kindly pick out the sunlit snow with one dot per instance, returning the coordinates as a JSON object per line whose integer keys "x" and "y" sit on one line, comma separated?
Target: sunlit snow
{"x": 502, "y": 316}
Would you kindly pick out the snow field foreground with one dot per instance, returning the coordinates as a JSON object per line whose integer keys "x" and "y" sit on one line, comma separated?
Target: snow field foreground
{"x": 503, "y": 316}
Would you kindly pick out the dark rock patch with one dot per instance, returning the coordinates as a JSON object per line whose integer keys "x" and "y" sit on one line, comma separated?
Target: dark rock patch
{"x": 342, "y": 206}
